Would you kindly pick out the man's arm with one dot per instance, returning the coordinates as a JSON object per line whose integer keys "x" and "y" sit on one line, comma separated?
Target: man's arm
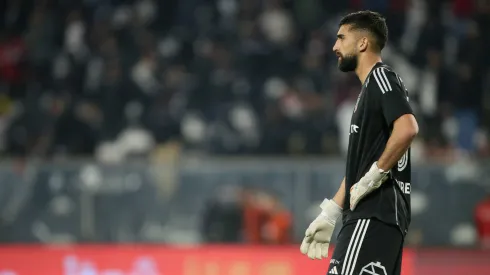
{"x": 339, "y": 197}
{"x": 405, "y": 128}
{"x": 398, "y": 115}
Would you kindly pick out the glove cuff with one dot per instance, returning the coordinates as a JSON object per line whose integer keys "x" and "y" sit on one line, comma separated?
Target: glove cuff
{"x": 330, "y": 210}
{"x": 379, "y": 170}
{"x": 376, "y": 173}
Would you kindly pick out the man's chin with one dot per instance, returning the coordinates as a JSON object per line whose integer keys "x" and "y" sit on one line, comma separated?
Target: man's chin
{"x": 347, "y": 63}
{"x": 344, "y": 68}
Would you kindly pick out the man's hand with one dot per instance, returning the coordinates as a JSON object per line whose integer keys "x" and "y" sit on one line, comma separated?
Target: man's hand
{"x": 367, "y": 184}
{"x": 317, "y": 237}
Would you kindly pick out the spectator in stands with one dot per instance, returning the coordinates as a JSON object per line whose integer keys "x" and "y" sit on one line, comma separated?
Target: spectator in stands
{"x": 266, "y": 219}
{"x": 482, "y": 222}
{"x": 12, "y": 62}
{"x": 223, "y": 216}
{"x": 468, "y": 93}
{"x": 277, "y": 228}
{"x": 254, "y": 216}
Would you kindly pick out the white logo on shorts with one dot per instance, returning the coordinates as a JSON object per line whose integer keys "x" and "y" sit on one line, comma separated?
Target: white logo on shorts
{"x": 373, "y": 268}
{"x": 333, "y": 270}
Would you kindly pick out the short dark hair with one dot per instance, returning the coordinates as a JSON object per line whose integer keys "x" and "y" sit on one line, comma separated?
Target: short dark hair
{"x": 370, "y": 21}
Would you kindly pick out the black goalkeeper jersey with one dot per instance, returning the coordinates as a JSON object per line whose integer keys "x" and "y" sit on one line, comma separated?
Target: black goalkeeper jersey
{"x": 382, "y": 100}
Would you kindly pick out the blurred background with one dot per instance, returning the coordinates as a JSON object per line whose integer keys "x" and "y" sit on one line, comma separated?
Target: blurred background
{"x": 207, "y": 122}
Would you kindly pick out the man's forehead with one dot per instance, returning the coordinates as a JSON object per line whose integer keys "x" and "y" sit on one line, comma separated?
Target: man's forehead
{"x": 347, "y": 29}
{"x": 344, "y": 29}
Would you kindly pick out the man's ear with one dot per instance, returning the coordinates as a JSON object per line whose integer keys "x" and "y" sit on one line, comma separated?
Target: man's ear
{"x": 363, "y": 44}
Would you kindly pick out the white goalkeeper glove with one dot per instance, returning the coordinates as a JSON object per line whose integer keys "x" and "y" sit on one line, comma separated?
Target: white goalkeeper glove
{"x": 367, "y": 184}
{"x": 317, "y": 237}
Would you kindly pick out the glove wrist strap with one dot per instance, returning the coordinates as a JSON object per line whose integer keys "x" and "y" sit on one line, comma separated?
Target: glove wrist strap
{"x": 375, "y": 173}
{"x": 381, "y": 171}
{"x": 330, "y": 210}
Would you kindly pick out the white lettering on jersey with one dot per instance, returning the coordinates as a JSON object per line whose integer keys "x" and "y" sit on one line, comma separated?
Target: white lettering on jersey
{"x": 405, "y": 187}
{"x": 354, "y": 129}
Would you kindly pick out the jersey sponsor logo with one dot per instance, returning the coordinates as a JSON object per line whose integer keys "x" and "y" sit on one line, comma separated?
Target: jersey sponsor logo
{"x": 373, "y": 268}
{"x": 402, "y": 163}
{"x": 405, "y": 187}
{"x": 333, "y": 270}
{"x": 354, "y": 129}
{"x": 380, "y": 77}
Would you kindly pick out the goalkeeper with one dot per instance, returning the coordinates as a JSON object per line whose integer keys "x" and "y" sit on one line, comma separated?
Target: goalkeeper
{"x": 374, "y": 197}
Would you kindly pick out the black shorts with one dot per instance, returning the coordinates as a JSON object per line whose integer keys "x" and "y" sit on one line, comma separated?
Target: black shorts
{"x": 367, "y": 247}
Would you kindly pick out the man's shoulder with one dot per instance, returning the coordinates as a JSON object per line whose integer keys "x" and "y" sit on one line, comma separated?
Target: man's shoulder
{"x": 383, "y": 79}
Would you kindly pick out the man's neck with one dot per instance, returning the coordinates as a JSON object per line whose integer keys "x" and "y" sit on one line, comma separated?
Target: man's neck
{"x": 365, "y": 66}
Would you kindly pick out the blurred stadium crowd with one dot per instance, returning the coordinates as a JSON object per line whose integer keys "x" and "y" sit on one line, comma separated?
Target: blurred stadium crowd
{"x": 117, "y": 77}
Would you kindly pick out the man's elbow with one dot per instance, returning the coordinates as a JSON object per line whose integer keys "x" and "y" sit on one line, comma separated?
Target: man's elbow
{"x": 408, "y": 127}
{"x": 412, "y": 131}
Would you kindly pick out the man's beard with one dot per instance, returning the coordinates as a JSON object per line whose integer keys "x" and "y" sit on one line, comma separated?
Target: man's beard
{"x": 348, "y": 63}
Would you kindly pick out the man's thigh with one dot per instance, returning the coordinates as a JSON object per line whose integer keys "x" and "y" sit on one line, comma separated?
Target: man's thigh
{"x": 367, "y": 247}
